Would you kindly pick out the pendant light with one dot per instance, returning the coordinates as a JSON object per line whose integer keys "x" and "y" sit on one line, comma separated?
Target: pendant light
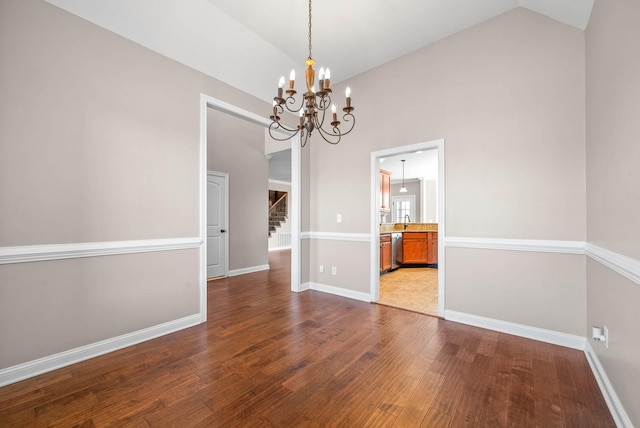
{"x": 403, "y": 189}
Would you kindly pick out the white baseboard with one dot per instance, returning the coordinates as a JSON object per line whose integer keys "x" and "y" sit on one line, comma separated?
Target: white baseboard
{"x": 305, "y": 286}
{"x": 356, "y": 295}
{"x": 72, "y": 356}
{"x": 613, "y": 402}
{"x": 543, "y": 335}
{"x": 251, "y": 269}
{"x": 563, "y": 339}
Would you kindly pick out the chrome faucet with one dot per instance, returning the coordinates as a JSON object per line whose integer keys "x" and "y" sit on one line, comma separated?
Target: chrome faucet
{"x": 407, "y": 220}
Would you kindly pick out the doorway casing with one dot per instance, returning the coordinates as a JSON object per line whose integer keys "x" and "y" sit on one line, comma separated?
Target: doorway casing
{"x": 375, "y": 216}
{"x": 207, "y": 102}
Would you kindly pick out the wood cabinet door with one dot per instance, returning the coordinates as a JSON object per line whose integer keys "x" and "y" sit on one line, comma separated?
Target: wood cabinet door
{"x": 414, "y": 251}
{"x": 432, "y": 248}
{"x": 385, "y": 252}
{"x": 385, "y": 189}
{"x": 385, "y": 256}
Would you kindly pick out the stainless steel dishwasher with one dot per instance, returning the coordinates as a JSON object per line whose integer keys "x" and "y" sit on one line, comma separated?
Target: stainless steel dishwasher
{"x": 396, "y": 250}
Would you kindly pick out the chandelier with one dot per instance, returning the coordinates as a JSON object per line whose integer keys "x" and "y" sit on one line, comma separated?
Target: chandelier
{"x": 313, "y": 106}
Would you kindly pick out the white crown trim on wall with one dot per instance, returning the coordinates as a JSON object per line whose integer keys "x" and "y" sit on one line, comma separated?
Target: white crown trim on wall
{"x": 37, "y": 253}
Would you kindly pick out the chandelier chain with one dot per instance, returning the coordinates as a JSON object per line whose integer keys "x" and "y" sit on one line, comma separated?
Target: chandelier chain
{"x": 314, "y": 107}
{"x": 310, "y": 29}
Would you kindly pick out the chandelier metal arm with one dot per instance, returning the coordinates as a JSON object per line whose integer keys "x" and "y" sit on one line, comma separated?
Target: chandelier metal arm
{"x": 313, "y": 106}
{"x": 290, "y": 133}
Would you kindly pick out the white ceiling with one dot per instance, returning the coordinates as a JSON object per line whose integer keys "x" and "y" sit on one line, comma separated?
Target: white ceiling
{"x": 422, "y": 164}
{"x": 249, "y": 44}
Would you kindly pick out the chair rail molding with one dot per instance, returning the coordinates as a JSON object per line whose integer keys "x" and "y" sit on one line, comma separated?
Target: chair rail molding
{"x": 38, "y": 253}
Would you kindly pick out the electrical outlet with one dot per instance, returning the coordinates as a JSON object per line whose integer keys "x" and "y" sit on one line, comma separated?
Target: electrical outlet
{"x": 339, "y": 218}
{"x": 606, "y": 336}
{"x": 334, "y": 270}
{"x": 321, "y": 269}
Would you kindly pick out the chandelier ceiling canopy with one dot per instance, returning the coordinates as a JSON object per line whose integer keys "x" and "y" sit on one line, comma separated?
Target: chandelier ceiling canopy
{"x": 313, "y": 106}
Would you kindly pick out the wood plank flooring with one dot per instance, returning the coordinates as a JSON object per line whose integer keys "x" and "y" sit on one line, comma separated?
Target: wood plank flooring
{"x": 271, "y": 358}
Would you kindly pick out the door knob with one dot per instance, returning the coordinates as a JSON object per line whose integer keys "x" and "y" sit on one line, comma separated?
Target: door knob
{"x": 222, "y": 231}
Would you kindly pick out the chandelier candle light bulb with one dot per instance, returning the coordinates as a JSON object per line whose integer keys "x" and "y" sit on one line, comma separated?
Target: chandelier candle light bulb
{"x": 312, "y": 108}
{"x": 280, "y": 86}
{"x": 335, "y": 123}
{"x": 327, "y": 81}
{"x": 292, "y": 79}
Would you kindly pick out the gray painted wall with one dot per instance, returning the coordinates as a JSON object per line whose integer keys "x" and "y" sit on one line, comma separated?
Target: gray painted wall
{"x": 508, "y": 97}
{"x": 99, "y": 142}
{"x": 236, "y": 146}
{"x": 613, "y": 201}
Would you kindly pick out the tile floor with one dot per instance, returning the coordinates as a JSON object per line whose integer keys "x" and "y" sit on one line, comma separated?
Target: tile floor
{"x": 414, "y": 289}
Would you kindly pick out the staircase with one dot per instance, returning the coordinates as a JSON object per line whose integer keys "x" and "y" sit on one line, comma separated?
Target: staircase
{"x": 277, "y": 210}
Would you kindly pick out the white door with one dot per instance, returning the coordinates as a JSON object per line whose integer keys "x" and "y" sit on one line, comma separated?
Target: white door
{"x": 217, "y": 247}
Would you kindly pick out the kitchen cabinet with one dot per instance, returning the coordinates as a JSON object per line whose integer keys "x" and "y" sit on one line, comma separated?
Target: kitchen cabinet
{"x": 414, "y": 248}
{"x": 385, "y": 190}
{"x": 420, "y": 248}
{"x": 432, "y": 248}
{"x": 385, "y": 252}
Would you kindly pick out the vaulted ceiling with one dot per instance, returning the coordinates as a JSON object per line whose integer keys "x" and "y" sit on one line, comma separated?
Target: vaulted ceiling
{"x": 249, "y": 44}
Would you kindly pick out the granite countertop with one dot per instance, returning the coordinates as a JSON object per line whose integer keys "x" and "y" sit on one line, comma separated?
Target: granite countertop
{"x": 411, "y": 227}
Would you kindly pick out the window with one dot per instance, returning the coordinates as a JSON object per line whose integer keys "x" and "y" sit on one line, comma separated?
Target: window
{"x": 402, "y": 206}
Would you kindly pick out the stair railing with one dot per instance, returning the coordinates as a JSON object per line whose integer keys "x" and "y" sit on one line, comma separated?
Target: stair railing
{"x": 281, "y": 203}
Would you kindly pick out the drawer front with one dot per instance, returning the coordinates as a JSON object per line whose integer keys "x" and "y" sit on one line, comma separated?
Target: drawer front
{"x": 414, "y": 235}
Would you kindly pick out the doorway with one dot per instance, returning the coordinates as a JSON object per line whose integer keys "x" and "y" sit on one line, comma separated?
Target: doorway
{"x": 435, "y": 238}
{"x": 206, "y": 103}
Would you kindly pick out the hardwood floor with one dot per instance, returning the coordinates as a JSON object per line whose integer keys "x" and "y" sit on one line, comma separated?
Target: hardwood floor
{"x": 271, "y": 358}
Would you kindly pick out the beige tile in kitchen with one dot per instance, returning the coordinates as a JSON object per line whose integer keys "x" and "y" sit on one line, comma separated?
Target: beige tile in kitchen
{"x": 414, "y": 289}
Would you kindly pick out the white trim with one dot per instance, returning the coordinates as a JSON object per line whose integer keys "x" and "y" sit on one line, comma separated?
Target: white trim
{"x": 613, "y": 402}
{"x": 279, "y": 248}
{"x": 236, "y": 111}
{"x": 535, "y": 245}
{"x": 563, "y": 339}
{"x": 295, "y": 210}
{"x": 204, "y": 100}
{"x": 343, "y": 292}
{"x": 72, "y": 356}
{"x": 374, "y": 273}
{"x": 337, "y": 236}
{"x": 246, "y": 270}
{"x": 216, "y": 104}
{"x": 38, "y": 253}
{"x": 305, "y": 287}
{"x": 535, "y": 333}
{"x": 625, "y": 266}
{"x": 284, "y": 183}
